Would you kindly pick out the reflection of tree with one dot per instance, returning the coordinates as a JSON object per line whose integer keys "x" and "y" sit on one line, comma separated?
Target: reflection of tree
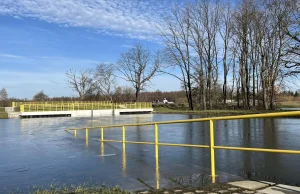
{"x": 190, "y": 131}
{"x": 270, "y": 161}
{"x": 247, "y": 143}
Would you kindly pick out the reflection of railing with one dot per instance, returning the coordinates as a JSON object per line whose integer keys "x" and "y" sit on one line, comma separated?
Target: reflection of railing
{"x": 82, "y": 106}
{"x": 212, "y": 145}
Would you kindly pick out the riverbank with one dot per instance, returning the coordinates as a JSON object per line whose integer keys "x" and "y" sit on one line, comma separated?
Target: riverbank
{"x": 244, "y": 186}
{"x": 81, "y": 189}
{"x": 207, "y": 113}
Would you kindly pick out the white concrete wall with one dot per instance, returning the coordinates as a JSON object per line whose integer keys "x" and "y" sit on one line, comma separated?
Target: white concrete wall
{"x": 12, "y": 115}
{"x": 86, "y": 113}
{"x": 46, "y": 113}
{"x": 118, "y": 111}
{"x": 76, "y": 113}
{"x": 9, "y": 109}
{"x": 97, "y": 113}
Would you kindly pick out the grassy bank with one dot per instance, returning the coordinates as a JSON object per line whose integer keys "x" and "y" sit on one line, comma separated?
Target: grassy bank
{"x": 82, "y": 189}
{"x": 170, "y": 110}
{"x": 289, "y": 104}
{"x": 3, "y": 115}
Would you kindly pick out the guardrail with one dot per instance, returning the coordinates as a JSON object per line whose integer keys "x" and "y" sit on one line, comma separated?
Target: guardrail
{"x": 136, "y": 105}
{"x": 211, "y": 146}
{"x": 82, "y": 106}
{"x": 18, "y": 104}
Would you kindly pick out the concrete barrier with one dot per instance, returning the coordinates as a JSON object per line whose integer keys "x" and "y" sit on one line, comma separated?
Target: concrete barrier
{"x": 85, "y": 113}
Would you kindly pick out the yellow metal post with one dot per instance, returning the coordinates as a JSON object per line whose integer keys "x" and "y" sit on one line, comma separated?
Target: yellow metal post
{"x": 21, "y": 108}
{"x": 102, "y": 134}
{"x": 212, "y": 151}
{"x": 13, "y": 104}
{"x": 157, "y": 174}
{"x": 156, "y": 141}
{"x": 75, "y": 133}
{"x": 124, "y": 150}
{"x": 102, "y": 148}
{"x": 124, "y": 159}
{"x": 156, "y": 157}
{"x": 123, "y": 134}
{"x": 86, "y": 137}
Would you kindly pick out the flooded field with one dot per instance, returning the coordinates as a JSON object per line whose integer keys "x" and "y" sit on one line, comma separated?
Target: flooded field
{"x": 38, "y": 152}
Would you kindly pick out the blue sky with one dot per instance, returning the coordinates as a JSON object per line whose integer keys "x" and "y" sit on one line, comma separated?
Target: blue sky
{"x": 42, "y": 39}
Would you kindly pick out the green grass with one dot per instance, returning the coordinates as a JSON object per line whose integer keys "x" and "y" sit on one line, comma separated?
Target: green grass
{"x": 289, "y": 104}
{"x": 2, "y": 109}
{"x": 3, "y": 115}
{"x": 167, "y": 110}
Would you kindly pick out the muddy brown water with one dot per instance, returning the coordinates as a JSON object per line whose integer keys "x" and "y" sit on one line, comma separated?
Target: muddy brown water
{"x": 38, "y": 152}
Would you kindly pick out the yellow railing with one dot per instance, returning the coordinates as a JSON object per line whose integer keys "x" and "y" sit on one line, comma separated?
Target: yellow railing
{"x": 18, "y": 104}
{"x": 82, "y": 106}
{"x": 211, "y": 146}
{"x": 135, "y": 105}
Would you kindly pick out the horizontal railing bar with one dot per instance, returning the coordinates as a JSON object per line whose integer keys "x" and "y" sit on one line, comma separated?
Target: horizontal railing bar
{"x": 118, "y": 141}
{"x": 183, "y": 145}
{"x": 215, "y": 147}
{"x": 250, "y": 116}
{"x": 258, "y": 149}
{"x": 138, "y": 142}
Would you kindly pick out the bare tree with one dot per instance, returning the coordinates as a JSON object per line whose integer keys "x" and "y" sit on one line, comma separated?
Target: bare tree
{"x": 176, "y": 35}
{"x": 82, "y": 82}
{"x": 226, "y": 33}
{"x": 291, "y": 55}
{"x": 40, "y": 96}
{"x": 105, "y": 80}
{"x": 3, "y": 95}
{"x": 138, "y": 66}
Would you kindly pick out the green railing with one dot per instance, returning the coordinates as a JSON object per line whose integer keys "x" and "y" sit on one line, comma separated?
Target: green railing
{"x": 212, "y": 147}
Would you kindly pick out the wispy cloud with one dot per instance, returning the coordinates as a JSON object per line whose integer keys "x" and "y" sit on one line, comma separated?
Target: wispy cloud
{"x": 132, "y": 19}
{"x": 4, "y": 55}
{"x": 126, "y": 46}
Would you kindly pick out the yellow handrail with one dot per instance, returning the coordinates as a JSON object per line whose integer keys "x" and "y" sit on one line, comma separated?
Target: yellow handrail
{"x": 68, "y": 106}
{"x": 212, "y": 145}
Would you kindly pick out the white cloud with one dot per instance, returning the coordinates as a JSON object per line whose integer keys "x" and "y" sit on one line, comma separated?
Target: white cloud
{"x": 4, "y": 55}
{"x": 132, "y": 19}
{"x": 126, "y": 46}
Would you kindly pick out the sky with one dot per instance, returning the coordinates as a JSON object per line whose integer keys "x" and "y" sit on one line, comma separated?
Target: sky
{"x": 41, "y": 39}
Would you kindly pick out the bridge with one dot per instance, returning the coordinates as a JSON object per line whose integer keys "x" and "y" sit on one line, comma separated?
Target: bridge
{"x": 80, "y": 108}
{"x": 211, "y": 146}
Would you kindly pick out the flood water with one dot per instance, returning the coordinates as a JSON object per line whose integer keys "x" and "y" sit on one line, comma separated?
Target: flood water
{"x": 38, "y": 152}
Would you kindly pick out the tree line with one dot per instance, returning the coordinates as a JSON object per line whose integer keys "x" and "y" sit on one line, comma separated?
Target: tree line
{"x": 253, "y": 46}
{"x": 219, "y": 51}
{"x": 137, "y": 66}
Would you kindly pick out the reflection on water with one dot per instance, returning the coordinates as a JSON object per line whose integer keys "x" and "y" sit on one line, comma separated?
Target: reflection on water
{"x": 52, "y": 155}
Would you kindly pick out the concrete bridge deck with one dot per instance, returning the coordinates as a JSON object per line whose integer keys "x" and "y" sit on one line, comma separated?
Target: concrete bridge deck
{"x": 84, "y": 113}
